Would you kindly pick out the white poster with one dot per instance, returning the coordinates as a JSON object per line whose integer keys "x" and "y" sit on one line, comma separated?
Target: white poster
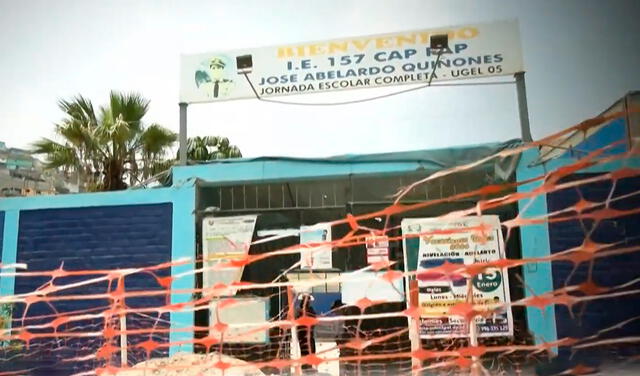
{"x": 225, "y": 239}
{"x": 370, "y": 285}
{"x": 246, "y": 319}
{"x": 314, "y": 254}
{"x": 377, "y": 249}
{"x": 475, "y": 50}
{"x": 459, "y": 241}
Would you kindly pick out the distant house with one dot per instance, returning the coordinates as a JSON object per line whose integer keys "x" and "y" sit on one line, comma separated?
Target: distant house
{"x": 21, "y": 174}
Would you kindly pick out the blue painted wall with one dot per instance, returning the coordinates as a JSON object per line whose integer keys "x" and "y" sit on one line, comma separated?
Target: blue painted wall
{"x": 181, "y": 197}
{"x": 610, "y": 133}
{"x": 624, "y": 231}
{"x": 94, "y": 238}
{"x": 536, "y": 240}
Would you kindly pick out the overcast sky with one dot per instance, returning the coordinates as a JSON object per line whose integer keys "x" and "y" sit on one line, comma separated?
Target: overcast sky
{"x": 580, "y": 57}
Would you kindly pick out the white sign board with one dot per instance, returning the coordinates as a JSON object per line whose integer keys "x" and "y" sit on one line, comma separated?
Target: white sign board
{"x": 377, "y": 249}
{"x": 475, "y": 50}
{"x": 459, "y": 241}
{"x": 246, "y": 319}
{"x": 313, "y": 254}
{"x": 225, "y": 239}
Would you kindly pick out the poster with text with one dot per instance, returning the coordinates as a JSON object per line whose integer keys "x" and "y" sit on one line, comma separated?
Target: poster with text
{"x": 377, "y": 249}
{"x": 313, "y": 253}
{"x": 462, "y": 241}
{"x": 225, "y": 239}
{"x": 400, "y": 58}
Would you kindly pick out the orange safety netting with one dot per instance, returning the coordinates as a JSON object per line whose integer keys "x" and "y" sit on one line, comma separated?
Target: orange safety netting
{"x": 115, "y": 333}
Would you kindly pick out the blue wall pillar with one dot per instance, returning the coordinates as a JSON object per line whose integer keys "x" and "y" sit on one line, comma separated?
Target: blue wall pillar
{"x": 184, "y": 235}
{"x": 9, "y": 249}
{"x": 535, "y": 243}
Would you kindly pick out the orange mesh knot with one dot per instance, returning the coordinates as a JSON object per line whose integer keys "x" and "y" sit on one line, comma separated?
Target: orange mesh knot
{"x": 472, "y": 351}
{"x": 590, "y": 288}
{"x": 59, "y": 321}
{"x": 165, "y": 282}
{"x": 31, "y": 299}
{"x": 208, "y": 341}
{"x": 564, "y": 299}
{"x": 60, "y": 272}
{"x": 463, "y": 362}
{"x": 463, "y": 309}
{"x": 240, "y": 262}
{"x": 577, "y": 256}
{"x": 106, "y": 351}
{"x": 227, "y": 302}
{"x": 358, "y": 344}
{"x": 364, "y": 303}
{"x": 148, "y": 346}
{"x": 219, "y": 286}
{"x": 312, "y": 359}
{"x": 477, "y": 268}
{"x": 26, "y": 336}
{"x": 306, "y": 321}
{"x": 504, "y": 263}
{"x": 413, "y": 312}
{"x": 220, "y": 327}
{"x": 568, "y": 341}
{"x": 353, "y": 223}
{"x": 109, "y": 332}
{"x": 539, "y": 302}
{"x": 176, "y": 307}
{"x": 222, "y": 365}
{"x": 582, "y": 205}
{"x": 423, "y": 354}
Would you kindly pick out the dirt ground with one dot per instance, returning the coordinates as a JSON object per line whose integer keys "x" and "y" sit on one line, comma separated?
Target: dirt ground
{"x": 183, "y": 364}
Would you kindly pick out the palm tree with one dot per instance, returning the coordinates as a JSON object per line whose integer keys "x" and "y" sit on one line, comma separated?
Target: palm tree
{"x": 210, "y": 148}
{"x": 106, "y": 148}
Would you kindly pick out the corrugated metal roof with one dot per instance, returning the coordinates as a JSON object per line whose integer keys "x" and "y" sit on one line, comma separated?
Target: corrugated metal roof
{"x": 273, "y": 168}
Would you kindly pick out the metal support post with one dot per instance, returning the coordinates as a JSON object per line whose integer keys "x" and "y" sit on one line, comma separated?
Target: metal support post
{"x": 523, "y": 108}
{"x": 183, "y": 134}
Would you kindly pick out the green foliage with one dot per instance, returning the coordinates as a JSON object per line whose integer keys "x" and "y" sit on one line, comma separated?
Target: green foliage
{"x": 111, "y": 148}
{"x": 211, "y": 148}
{"x": 6, "y": 313}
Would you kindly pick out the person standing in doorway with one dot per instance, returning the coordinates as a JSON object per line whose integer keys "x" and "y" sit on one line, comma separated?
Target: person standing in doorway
{"x": 306, "y": 336}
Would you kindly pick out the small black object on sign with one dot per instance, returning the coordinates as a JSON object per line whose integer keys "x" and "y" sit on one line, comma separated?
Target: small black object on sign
{"x": 244, "y": 64}
{"x": 439, "y": 42}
